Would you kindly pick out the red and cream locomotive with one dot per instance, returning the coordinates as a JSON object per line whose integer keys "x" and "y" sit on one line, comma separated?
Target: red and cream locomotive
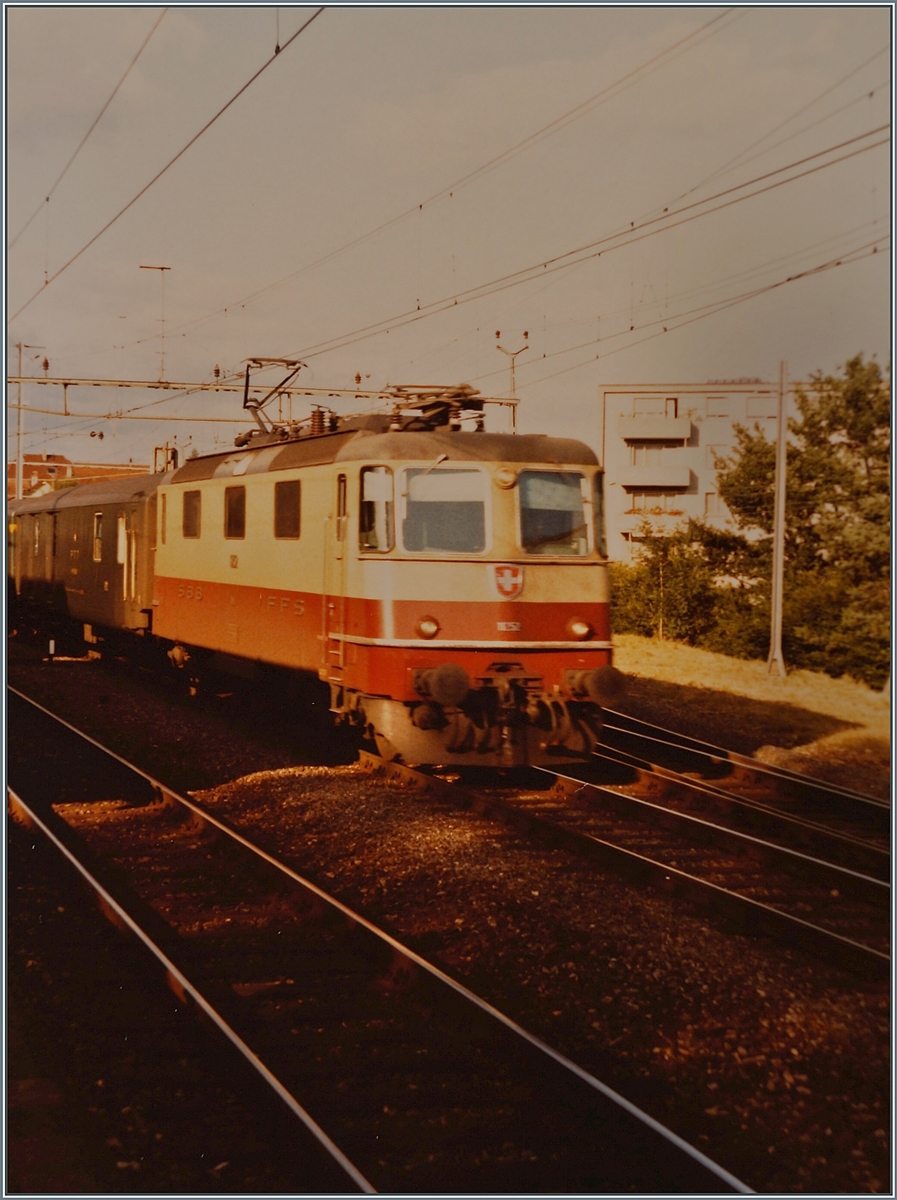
{"x": 449, "y": 585}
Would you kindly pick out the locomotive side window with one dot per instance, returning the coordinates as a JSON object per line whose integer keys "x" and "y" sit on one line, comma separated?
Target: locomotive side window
{"x": 287, "y": 508}
{"x": 552, "y": 513}
{"x": 163, "y": 519}
{"x": 600, "y": 528}
{"x": 376, "y": 522}
{"x": 192, "y": 514}
{"x": 98, "y": 537}
{"x": 444, "y": 510}
{"x": 235, "y": 512}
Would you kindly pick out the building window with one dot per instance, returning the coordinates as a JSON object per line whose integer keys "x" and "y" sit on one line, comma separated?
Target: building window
{"x": 713, "y": 505}
{"x": 717, "y": 406}
{"x": 646, "y": 454}
{"x": 192, "y": 514}
{"x": 235, "y": 512}
{"x": 375, "y": 513}
{"x": 672, "y": 406}
{"x": 97, "y": 537}
{"x": 287, "y": 508}
{"x": 762, "y": 406}
{"x": 656, "y": 502}
{"x": 649, "y": 406}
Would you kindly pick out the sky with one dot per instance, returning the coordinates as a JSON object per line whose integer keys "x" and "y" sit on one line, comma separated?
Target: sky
{"x": 402, "y": 182}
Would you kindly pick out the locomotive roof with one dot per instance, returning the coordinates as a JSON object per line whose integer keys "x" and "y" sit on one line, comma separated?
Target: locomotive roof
{"x": 375, "y": 443}
{"x": 119, "y": 490}
{"x": 385, "y": 445}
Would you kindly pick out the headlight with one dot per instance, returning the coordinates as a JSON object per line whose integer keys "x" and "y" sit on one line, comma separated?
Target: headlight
{"x": 427, "y": 627}
{"x": 579, "y": 629}
{"x": 505, "y": 477}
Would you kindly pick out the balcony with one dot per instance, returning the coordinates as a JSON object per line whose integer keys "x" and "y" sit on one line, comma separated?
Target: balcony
{"x": 654, "y": 429}
{"x": 678, "y": 478}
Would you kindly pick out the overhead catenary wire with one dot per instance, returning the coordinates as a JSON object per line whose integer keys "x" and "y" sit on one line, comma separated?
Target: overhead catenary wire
{"x": 93, "y": 126}
{"x": 850, "y": 256}
{"x": 671, "y": 323}
{"x": 635, "y": 233}
{"x": 604, "y": 245}
{"x": 736, "y": 160}
{"x": 610, "y": 91}
{"x": 167, "y": 166}
{"x": 684, "y": 295}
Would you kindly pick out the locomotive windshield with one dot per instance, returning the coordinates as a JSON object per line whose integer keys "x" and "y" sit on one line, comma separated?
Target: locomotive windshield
{"x": 552, "y": 513}
{"x": 444, "y": 510}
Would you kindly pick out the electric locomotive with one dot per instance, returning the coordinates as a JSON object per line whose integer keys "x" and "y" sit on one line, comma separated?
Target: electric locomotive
{"x": 448, "y": 585}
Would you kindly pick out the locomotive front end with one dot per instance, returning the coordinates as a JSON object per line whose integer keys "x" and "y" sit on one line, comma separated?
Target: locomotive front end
{"x": 483, "y": 635}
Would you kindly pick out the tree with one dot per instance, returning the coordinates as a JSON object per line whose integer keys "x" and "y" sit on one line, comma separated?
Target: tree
{"x": 669, "y": 591}
{"x": 837, "y": 520}
{"x": 711, "y": 587}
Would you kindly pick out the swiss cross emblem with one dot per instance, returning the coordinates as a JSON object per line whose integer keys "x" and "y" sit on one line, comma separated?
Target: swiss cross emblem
{"x": 509, "y": 580}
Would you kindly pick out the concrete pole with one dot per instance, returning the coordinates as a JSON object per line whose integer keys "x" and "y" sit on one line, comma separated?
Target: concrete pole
{"x": 775, "y": 664}
{"x": 20, "y": 460}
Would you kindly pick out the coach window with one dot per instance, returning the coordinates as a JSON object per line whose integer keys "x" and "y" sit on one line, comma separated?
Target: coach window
{"x": 444, "y": 510}
{"x": 552, "y": 513}
{"x": 376, "y": 522}
{"x": 235, "y": 512}
{"x": 97, "y": 537}
{"x": 287, "y": 508}
{"x": 192, "y": 514}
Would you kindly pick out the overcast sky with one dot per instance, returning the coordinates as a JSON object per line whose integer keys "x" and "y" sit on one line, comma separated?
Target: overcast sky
{"x": 377, "y": 113}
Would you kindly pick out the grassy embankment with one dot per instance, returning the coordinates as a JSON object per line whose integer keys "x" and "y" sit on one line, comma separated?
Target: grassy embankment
{"x": 834, "y": 729}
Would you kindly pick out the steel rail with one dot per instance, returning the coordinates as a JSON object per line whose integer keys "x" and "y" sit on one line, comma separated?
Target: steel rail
{"x": 24, "y": 814}
{"x": 751, "y": 915}
{"x": 765, "y": 771}
{"x": 695, "y": 1161}
{"x": 847, "y": 850}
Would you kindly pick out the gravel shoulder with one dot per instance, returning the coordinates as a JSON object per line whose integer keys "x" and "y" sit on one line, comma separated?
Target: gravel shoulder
{"x": 773, "y": 1064}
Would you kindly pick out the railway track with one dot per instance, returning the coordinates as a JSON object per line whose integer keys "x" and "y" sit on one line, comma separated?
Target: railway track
{"x": 755, "y": 883}
{"x": 404, "y": 1080}
{"x": 807, "y": 803}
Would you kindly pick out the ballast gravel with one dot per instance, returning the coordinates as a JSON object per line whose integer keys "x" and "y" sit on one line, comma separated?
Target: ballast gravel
{"x": 772, "y": 1063}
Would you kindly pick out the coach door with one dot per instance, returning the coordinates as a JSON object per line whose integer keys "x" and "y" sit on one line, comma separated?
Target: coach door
{"x": 335, "y": 584}
{"x": 126, "y": 556}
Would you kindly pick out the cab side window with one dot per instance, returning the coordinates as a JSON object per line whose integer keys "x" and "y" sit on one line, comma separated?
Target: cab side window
{"x": 287, "y": 508}
{"x": 376, "y": 521}
{"x": 192, "y": 514}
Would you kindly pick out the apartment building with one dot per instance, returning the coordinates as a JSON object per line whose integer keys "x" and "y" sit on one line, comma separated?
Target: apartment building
{"x": 659, "y": 443}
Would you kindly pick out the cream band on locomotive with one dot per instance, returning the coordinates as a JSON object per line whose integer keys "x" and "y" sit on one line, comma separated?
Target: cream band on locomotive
{"x": 449, "y": 585}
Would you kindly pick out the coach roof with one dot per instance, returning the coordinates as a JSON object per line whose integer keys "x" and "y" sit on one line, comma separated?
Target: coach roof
{"x": 121, "y": 490}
